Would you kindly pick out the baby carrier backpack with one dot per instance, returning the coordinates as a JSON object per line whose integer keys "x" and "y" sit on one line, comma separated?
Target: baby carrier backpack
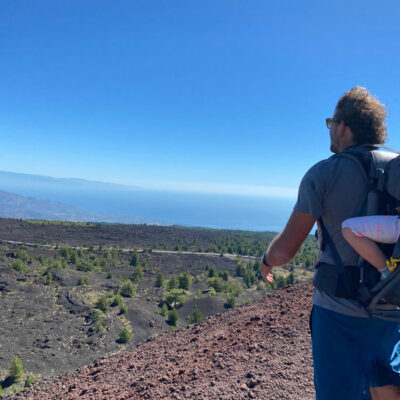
{"x": 384, "y": 197}
{"x": 381, "y": 170}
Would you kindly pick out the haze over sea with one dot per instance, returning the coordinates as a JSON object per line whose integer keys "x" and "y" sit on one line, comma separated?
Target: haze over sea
{"x": 206, "y": 210}
{"x": 191, "y": 209}
{"x": 253, "y": 211}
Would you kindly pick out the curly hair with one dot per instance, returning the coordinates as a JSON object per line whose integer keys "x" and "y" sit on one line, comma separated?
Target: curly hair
{"x": 363, "y": 114}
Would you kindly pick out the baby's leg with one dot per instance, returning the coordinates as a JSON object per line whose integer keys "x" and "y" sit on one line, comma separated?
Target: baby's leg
{"x": 379, "y": 228}
{"x": 366, "y": 248}
{"x": 363, "y": 232}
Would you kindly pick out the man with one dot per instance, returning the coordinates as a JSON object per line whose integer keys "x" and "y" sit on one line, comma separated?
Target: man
{"x": 356, "y": 353}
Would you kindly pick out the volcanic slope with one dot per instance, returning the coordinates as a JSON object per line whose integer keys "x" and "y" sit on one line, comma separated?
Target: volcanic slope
{"x": 260, "y": 350}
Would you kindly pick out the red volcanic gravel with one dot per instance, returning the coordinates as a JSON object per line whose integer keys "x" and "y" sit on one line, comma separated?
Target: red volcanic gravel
{"x": 258, "y": 351}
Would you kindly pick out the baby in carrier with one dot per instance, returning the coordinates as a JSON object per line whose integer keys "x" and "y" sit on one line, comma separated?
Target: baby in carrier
{"x": 362, "y": 233}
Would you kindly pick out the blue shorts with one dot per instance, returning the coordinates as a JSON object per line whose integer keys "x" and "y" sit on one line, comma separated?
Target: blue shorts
{"x": 353, "y": 354}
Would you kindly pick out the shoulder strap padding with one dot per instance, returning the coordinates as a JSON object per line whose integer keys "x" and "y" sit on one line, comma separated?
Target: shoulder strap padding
{"x": 393, "y": 174}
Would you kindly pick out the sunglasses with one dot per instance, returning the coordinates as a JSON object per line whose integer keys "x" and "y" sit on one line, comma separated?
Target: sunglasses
{"x": 329, "y": 122}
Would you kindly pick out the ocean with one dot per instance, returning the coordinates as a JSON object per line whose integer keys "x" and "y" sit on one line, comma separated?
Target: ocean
{"x": 182, "y": 208}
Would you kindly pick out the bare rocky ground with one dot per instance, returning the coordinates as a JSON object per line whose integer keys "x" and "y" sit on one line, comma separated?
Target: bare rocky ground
{"x": 260, "y": 350}
{"x": 79, "y": 234}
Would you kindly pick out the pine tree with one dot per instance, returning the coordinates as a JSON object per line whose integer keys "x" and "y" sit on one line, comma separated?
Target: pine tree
{"x": 127, "y": 289}
{"x": 159, "y": 280}
{"x": 138, "y": 274}
{"x": 196, "y": 316}
{"x": 211, "y": 271}
{"x": 102, "y": 304}
{"x": 173, "y": 317}
{"x": 16, "y": 371}
{"x": 184, "y": 281}
{"x": 124, "y": 336}
{"x": 172, "y": 283}
{"x": 231, "y": 302}
{"x": 135, "y": 259}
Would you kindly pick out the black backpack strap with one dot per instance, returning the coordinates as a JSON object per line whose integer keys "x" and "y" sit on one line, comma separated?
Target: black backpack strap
{"x": 336, "y": 279}
{"x": 396, "y": 249}
{"x": 327, "y": 240}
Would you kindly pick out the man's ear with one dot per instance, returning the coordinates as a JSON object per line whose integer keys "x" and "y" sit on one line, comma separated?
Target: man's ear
{"x": 341, "y": 129}
{"x": 349, "y": 133}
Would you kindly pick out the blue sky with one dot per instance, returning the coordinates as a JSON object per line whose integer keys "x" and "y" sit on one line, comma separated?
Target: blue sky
{"x": 211, "y": 95}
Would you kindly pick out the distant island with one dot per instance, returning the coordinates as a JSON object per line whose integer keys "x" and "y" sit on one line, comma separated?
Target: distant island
{"x": 16, "y": 206}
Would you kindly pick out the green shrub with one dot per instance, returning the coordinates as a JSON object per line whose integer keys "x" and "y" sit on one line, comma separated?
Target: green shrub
{"x": 127, "y": 289}
{"x": 173, "y": 317}
{"x": 184, "y": 280}
{"x": 138, "y": 274}
{"x": 42, "y": 259}
{"x": 249, "y": 278}
{"x": 234, "y": 289}
{"x": 196, "y": 316}
{"x": 231, "y": 302}
{"x": 94, "y": 315}
{"x": 172, "y": 283}
{"x": 280, "y": 282}
{"x": 29, "y": 380}
{"x": 175, "y": 297}
{"x": 123, "y": 309}
{"x": 74, "y": 258}
{"x": 135, "y": 259}
{"x": 261, "y": 285}
{"x": 124, "y": 336}
{"x": 99, "y": 326}
{"x": 164, "y": 309}
{"x": 48, "y": 278}
{"x": 16, "y": 371}
{"x": 211, "y": 271}
{"x": 102, "y": 304}
{"x": 117, "y": 301}
{"x": 159, "y": 280}
{"x": 240, "y": 270}
{"x": 19, "y": 266}
{"x": 56, "y": 264}
{"x": 85, "y": 266}
{"x": 65, "y": 252}
{"x": 83, "y": 281}
{"x": 1, "y": 391}
{"x": 22, "y": 255}
{"x": 216, "y": 283}
{"x": 109, "y": 275}
{"x": 224, "y": 275}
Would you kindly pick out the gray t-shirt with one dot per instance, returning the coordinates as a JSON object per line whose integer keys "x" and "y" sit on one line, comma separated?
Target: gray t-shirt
{"x": 335, "y": 189}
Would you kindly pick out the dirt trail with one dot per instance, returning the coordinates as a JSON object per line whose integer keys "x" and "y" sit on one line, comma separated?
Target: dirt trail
{"x": 258, "y": 351}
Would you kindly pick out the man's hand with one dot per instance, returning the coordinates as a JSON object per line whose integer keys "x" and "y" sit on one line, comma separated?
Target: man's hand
{"x": 265, "y": 271}
{"x": 284, "y": 247}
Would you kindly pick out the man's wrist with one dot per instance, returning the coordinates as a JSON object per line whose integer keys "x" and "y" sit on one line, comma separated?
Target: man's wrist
{"x": 264, "y": 260}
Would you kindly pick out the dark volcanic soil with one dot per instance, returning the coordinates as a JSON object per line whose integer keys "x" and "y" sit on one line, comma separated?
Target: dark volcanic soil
{"x": 113, "y": 234}
{"x": 260, "y": 351}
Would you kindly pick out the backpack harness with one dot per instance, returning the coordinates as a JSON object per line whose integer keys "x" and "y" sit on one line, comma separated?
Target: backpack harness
{"x": 362, "y": 282}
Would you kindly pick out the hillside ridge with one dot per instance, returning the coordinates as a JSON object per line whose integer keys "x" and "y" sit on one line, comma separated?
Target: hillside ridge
{"x": 260, "y": 350}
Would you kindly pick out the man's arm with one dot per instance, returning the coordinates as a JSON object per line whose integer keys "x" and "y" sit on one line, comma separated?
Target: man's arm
{"x": 284, "y": 247}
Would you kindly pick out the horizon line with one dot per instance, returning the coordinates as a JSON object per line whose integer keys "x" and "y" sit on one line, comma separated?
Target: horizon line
{"x": 189, "y": 187}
